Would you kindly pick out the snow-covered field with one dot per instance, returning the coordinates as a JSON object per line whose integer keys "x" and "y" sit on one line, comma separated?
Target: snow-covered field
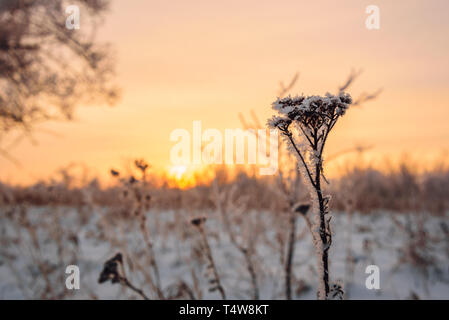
{"x": 412, "y": 253}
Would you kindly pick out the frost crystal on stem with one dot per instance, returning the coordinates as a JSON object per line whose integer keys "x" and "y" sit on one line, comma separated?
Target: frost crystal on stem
{"x": 305, "y": 123}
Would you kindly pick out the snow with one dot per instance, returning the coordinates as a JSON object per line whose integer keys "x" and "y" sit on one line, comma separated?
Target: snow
{"x": 295, "y": 107}
{"x": 375, "y": 240}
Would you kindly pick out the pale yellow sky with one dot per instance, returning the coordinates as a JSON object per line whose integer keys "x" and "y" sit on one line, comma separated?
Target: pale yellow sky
{"x": 181, "y": 61}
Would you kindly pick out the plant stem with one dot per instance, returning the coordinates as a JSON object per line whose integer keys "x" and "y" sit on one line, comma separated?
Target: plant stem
{"x": 323, "y": 230}
{"x": 290, "y": 252}
{"x": 212, "y": 263}
{"x": 323, "y": 236}
{"x": 128, "y": 284}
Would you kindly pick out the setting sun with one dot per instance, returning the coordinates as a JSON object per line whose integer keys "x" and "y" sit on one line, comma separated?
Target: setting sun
{"x": 181, "y": 176}
{"x": 178, "y": 171}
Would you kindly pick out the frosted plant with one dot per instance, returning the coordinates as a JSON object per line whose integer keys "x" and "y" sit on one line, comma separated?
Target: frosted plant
{"x": 305, "y": 123}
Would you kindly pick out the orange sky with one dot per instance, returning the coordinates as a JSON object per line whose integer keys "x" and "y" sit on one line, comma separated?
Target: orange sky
{"x": 180, "y": 61}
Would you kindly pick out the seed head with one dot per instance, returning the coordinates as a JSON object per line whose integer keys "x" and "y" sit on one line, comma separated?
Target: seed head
{"x": 302, "y": 208}
{"x": 312, "y": 111}
{"x": 111, "y": 270}
{"x": 114, "y": 173}
{"x": 198, "y": 221}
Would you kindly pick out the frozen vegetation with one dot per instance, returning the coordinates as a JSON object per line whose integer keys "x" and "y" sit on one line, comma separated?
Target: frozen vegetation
{"x": 411, "y": 250}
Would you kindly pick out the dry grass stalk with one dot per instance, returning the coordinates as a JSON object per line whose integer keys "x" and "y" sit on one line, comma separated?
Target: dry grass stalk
{"x": 211, "y": 271}
{"x": 227, "y": 205}
{"x": 138, "y": 201}
{"x": 302, "y": 209}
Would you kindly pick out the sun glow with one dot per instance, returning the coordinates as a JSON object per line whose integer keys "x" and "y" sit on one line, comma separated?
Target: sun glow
{"x": 188, "y": 176}
{"x": 181, "y": 176}
{"x": 178, "y": 171}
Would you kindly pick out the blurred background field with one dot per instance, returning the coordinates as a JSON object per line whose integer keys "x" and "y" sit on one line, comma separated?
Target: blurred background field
{"x": 396, "y": 220}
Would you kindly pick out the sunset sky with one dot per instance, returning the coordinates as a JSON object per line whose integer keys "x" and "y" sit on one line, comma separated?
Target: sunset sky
{"x": 181, "y": 61}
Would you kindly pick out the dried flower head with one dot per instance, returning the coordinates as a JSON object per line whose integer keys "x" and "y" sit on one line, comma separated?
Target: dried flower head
{"x": 141, "y": 165}
{"x": 198, "y": 221}
{"x": 312, "y": 111}
{"x": 302, "y": 208}
{"x": 111, "y": 269}
{"x": 336, "y": 291}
